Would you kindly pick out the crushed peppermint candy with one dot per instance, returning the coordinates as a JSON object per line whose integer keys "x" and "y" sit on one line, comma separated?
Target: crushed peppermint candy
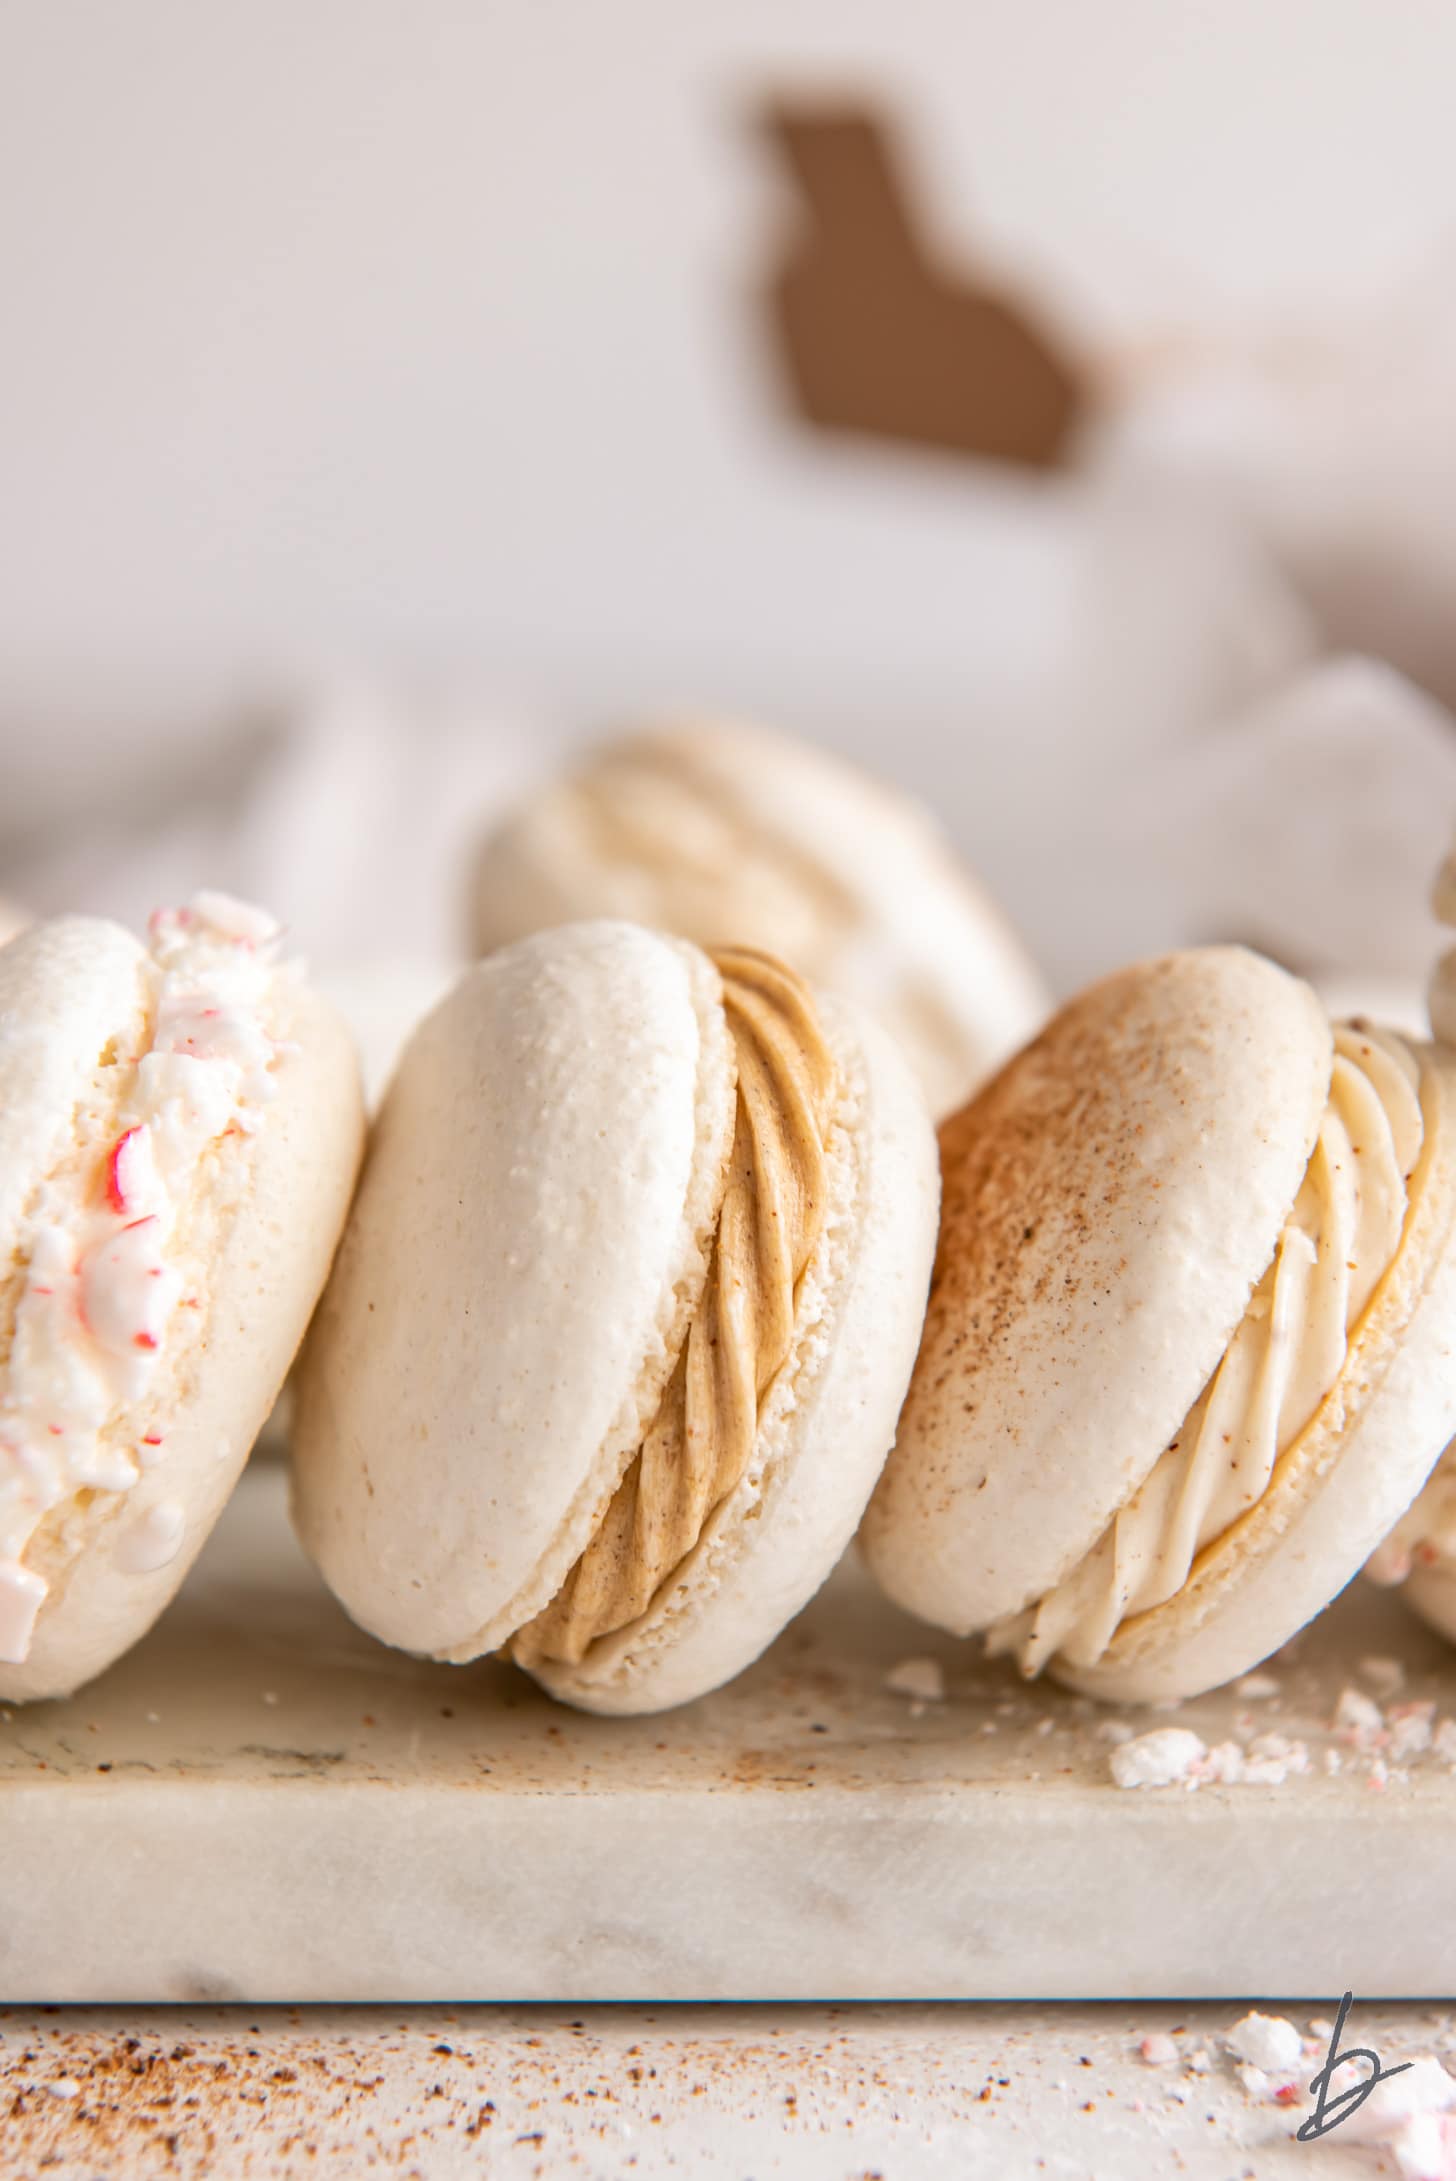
{"x": 1266, "y": 2041}
{"x": 1358, "y": 1720}
{"x": 1168, "y": 1757}
{"x": 1411, "y": 1729}
{"x": 921, "y": 1678}
{"x": 1158, "y": 2050}
{"x": 99, "y": 1290}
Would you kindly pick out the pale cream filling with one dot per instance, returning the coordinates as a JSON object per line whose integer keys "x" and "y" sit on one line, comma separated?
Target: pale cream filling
{"x": 1340, "y": 1238}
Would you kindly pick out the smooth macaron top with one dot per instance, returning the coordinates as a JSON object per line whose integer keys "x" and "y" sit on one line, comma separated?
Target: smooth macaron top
{"x": 1110, "y": 1202}
{"x": 724, "y": 832}
{"x": 529, "y": 1240}
{"x": 617, "y": 1335}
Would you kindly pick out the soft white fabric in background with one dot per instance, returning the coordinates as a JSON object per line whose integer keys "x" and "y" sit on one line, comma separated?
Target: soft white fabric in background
{"x": 1114, "y": 631}
{"x": 425, "y": 342}
{"x": 1332, "y": 436}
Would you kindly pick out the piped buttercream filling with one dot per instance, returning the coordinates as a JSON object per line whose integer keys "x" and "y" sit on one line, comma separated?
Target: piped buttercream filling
{"x": 700, "y": 1443}
{"x": 102, "y": 1284}
{"x": 1425, "y": 1536}
{"x": 1341, "y": 1237}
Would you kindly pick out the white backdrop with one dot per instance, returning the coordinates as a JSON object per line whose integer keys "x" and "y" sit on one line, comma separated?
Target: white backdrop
{"x": 413, "y": 342}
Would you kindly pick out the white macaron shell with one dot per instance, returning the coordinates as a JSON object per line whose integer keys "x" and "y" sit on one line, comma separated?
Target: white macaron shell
{"x": 829, "y": 1419}
{"x": 263, "y": 1233}
{"x": 852, "y": 884}
{"x": 1123, "y": 1184}
{"x": 1382, "y": 1432}
{"x": 527, "y": 1241}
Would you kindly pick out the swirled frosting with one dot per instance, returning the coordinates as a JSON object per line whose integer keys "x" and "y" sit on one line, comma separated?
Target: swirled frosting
{"x": 701, "y": 1441}
{"x": 1425, "y": 1535}
{"x": 1341, "y": 1236}
{"x": 101, "y": 1280}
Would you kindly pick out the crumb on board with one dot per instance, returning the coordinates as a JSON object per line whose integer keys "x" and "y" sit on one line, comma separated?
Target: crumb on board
{"x": 922, "y": 1678}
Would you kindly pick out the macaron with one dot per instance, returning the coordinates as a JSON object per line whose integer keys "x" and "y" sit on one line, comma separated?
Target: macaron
{"x": 720, "y": 831}
{"x": 1419, "y": 1555}
{"x": 1190, "y": 1348}
{"x": 623, "y": 1315}
{"x": 180, "y": 1127}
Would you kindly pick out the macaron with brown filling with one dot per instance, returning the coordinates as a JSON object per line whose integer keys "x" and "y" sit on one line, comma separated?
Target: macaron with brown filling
{"x": 715, "y": 829}
{"x": 1191, "y": 1342}
{"x": 622, "y": 1319}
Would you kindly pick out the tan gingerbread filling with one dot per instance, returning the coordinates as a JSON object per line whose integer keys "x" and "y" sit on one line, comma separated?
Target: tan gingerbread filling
{"x": 701, "y": 1441}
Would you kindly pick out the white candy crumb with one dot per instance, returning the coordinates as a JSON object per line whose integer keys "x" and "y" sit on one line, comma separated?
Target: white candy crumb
{"x": 1358, "y": 1719}
{"x": 1333, "y": 1762}
{"x": 1267, "y": 2041}
{"x": 1271, "y": 1758}
{"x": 1168, "y": 1757}
{"x": 923, "y": 1678}
{"x": 64, "y": 2087}
{"x": 1254, "y": 2080}
{"x": 1384, "y": 1675}
{"x": 1320, "y": 2026}
{"x": 1258, "y": 1688}
{"x": 1379, "y": 1775}
{"x": 1198, "y": 2063}
{"x": 1158, "y": 2050}
{"x": 1422, "y": 2088}
{"x": 1118, "y": 1730}
{"x": 1411, "y": 1732}
{"x": 1443, "y": 1742}
{"x": 1424, "y": 2148}
{"x": 1224, "y": 1765}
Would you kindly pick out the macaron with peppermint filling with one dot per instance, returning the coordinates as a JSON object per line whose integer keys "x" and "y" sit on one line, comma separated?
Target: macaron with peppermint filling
{"x": 180, "y": 1127}
{"x": 1191, "y": 1343}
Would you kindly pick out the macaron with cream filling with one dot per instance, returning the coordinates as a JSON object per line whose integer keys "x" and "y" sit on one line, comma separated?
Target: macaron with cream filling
{"x": 1191, "y": 1342}
{"x": 180, "y": 1128}
{"x": 1419, "y": 1555}
{"x": 622, "y": 1318}
{"x": 717, "y": 830}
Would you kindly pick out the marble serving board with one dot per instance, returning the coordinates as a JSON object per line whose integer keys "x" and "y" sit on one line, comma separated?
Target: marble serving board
{"x": 260, "y": 1803}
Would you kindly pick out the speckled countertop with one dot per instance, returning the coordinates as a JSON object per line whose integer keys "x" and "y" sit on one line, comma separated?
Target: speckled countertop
{"x": 819, "y": 2094}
